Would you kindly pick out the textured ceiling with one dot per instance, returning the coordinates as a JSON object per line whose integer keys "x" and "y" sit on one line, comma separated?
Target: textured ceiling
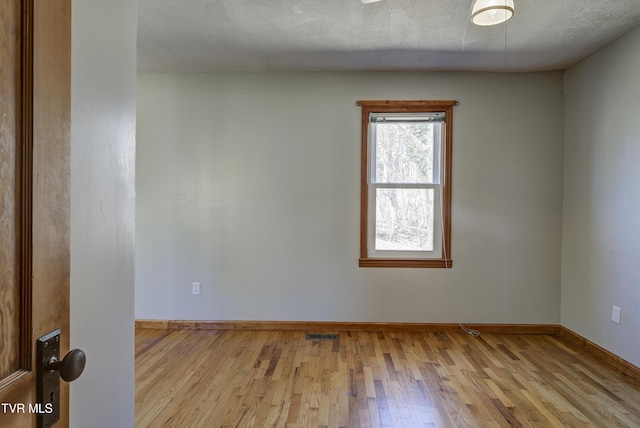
{"x": 301, "y": 35}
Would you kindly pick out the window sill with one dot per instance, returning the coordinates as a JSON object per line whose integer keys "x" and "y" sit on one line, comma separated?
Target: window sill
{"x": 406, "y": 263}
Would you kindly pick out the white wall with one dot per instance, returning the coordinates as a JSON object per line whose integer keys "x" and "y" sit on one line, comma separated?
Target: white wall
{"x": 601, "y": 227}
{"x": 102, "y": 209}
{"x": 249, "y": 183}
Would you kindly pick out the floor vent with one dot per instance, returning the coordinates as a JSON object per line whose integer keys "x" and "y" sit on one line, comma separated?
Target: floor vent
{"x": 322, "y": 336}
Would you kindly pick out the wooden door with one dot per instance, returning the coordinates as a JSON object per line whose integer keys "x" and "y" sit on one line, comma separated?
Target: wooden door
{"x": 35, "y": 60}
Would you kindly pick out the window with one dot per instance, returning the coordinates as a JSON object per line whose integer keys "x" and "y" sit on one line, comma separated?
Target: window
{"x": 405, "y": 218}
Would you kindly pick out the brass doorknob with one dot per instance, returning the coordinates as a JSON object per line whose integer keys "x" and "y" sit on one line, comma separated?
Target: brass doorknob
{"x": 71, "y": 366}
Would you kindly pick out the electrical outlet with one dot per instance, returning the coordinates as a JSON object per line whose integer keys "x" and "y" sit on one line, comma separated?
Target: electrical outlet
{"x": 195, "y": 288}
{"x": 615, "y": 315}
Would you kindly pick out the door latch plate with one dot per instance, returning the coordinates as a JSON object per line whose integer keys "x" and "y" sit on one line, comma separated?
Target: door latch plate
{"x": 48, "y": 383}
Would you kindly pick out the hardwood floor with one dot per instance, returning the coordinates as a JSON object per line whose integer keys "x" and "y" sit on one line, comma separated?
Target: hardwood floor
{"x": 226, "y": 378}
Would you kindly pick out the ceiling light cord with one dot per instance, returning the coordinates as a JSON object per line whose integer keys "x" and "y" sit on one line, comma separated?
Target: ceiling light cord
{"x": 505, "y": 47}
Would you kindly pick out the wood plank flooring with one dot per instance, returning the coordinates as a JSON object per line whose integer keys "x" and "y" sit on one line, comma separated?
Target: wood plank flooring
{"x": 226, "y": 378}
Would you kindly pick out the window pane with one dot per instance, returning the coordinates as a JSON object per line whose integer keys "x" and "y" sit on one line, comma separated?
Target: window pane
{"x": 404, "y": 219}
{"x": 404, "y": 152}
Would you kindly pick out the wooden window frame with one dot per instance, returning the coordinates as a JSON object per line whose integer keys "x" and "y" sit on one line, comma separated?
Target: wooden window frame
{"x": 412, "y": 106}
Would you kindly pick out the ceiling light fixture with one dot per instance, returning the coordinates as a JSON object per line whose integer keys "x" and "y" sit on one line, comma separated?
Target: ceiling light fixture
{"x": 491, "y": 12}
